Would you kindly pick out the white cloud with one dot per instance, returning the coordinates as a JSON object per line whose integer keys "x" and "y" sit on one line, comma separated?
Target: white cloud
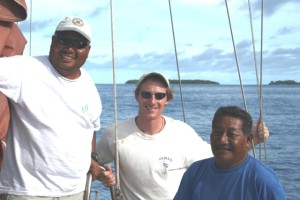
{"x": 143, "y": 37}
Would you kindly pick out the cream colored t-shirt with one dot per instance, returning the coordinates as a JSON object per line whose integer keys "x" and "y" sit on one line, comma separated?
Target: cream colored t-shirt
{"x": 151, "y": 166}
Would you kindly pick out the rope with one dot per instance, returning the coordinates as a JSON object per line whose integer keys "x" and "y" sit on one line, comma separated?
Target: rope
{"x": 253, "y": 45}
{"x": 259, "y": 84}
{"x": 236, "y": 58}
{"x": 260, "y": 96}
{"x": 178, "y": 72}
{"x": 116, "y": 192}
{"x": 255, "y": 62}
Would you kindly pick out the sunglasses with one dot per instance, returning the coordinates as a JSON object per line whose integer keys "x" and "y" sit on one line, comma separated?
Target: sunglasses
{"x": 148, "y": 95}
{"x": 78, "y": 44}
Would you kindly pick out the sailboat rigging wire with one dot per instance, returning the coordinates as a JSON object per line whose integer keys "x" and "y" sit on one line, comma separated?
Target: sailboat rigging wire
{"x": 253, "y": 46}
{"x": 112, "y": 191}
{"x": 261, "y": 63}
{"x": 236, "y": 57}
{"x": 175, "y": 48}
{"x": 259, "y": 83}
{"x": 255, "y": 62}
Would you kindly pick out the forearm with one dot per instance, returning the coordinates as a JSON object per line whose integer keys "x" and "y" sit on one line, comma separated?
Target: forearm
{"x": 94, "y": 142}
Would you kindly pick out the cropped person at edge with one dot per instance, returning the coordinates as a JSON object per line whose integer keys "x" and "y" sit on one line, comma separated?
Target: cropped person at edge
{"x": 154, "y": 150}
{"x": 55, "y": 112}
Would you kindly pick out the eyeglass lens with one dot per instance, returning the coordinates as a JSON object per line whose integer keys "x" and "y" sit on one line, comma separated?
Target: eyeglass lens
{"x": 78, "y": 44}
{"x": 148, "y": 95}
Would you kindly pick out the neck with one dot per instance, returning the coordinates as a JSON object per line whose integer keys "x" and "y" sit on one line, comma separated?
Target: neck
{"x": 150, "y": 127}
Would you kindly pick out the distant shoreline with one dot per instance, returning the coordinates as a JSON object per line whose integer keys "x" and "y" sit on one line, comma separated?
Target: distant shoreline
{"x": 173, "y": 81}
{"x": 285, "y": 82}
{"x": 208, "y": 82}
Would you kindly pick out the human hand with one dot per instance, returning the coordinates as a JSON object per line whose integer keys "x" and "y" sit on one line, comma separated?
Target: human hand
{"x": 260, "y": 132}
{"x": 106, "y": 176}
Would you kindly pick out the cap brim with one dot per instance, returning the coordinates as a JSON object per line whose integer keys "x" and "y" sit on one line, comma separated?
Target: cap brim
{"x": 144, "y": 76}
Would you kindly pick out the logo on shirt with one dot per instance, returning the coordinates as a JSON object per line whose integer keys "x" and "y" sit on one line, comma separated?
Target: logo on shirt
{"x": 84, "y": 108}
{"x": 165, "y": 162}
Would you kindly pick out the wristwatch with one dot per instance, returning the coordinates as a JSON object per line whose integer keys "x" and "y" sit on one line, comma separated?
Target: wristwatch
{"x": 95, "y": 156}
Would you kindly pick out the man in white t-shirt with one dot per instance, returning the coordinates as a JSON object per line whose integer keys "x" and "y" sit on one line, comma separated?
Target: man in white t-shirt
{"x": 55, "y": 112}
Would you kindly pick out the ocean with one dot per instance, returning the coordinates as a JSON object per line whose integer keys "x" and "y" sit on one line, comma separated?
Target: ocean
{"x": 280, "y": 111}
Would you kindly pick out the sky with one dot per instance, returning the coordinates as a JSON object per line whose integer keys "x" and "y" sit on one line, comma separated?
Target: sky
{"x": 137, "y": 37}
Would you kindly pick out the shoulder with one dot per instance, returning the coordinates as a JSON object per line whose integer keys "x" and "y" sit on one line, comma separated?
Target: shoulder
{"x": 260, "y": 168}
{"x": 124, "y": 127}
{"x": 86, "y": 76}
{"x": 122, "y": 124}
{"x": 183, "y": 132}
{"x": 178, "y": 125}
{"x": 18, "y": 59}
{"x": 194, "y": 176}
{"x": 266, "y": 178}
{"x": 198, "y": 169}
{"x": 29, "y": 63}
{"x": 201, "y": 164}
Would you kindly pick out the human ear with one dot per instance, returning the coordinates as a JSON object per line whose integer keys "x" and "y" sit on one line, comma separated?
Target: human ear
{"x": 249, "y": 141}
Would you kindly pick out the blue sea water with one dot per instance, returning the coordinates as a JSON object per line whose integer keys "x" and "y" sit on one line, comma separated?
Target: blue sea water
{"x": 280, "y": 111}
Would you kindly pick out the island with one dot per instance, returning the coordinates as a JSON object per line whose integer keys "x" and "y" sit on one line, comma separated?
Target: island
{"x": 186, "y": 81}
{"x": 285, "y": 82}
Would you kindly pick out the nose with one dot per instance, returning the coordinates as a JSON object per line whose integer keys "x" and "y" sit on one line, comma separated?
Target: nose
{"x": 223, "y": 138}
{"x": 152, "y": 98}
{"x": 69, "y": 49}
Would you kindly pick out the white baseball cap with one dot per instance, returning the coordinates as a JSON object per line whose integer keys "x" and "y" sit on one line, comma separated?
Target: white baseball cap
{"x": 146, "y": 75}
{"x": 76, "y": 24}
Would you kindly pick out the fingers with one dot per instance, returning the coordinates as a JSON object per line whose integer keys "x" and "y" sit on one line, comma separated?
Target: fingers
{"x": 107, "y": 177}
{"x": 104, "y": 174}
{"x": 260, "y": 130}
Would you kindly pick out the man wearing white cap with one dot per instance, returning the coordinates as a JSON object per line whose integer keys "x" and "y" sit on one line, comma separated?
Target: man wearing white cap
{"x": 55, "y": 112}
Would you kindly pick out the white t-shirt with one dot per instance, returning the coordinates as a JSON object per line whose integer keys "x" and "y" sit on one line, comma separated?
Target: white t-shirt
{"x": 151, "y": 166}
{"x": 52, "y": 124}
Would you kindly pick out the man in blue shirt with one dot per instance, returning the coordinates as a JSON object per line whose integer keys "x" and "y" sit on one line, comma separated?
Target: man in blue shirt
{"x": 231, "y": 173}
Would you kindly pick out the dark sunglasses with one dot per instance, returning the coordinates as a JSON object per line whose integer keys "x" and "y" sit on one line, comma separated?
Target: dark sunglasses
{"x": 78, "y": 44}
{"x": 148, "y": 95}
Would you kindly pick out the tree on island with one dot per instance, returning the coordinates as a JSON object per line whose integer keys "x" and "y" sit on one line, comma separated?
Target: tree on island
{"x": 285, "y": 82}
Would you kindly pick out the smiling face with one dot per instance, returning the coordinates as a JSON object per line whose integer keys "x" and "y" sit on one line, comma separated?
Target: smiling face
{"x": 67, "y": 58}
{"x": 151, "y": 106}
{"x": 228, "y": 142}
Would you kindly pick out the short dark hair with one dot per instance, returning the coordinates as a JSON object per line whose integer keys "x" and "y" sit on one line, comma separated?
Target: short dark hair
{"x": 237, "y": 112}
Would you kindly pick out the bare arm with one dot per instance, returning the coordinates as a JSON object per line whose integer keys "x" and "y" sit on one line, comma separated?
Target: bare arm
{"x": 94, "y": 142}
{"x": 103, "y": 174}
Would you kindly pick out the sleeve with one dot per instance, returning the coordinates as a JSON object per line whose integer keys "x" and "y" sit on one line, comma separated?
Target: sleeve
{"x": 105, "y": 147}
{"x": 10, "y": 81}
{"x": 196, "y": 148}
